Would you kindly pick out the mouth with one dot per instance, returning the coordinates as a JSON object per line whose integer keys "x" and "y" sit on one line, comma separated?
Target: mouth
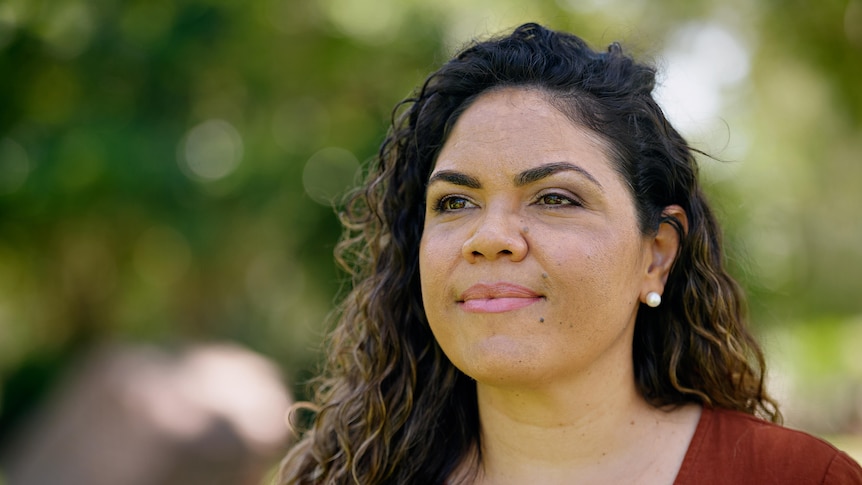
{"x": 497, "y": 298}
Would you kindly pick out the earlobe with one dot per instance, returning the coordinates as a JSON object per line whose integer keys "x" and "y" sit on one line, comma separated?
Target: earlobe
{"x": 665, "y": 246}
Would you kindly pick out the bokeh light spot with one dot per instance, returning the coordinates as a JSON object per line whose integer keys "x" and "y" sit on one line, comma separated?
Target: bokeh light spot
{"x": 8, "y": 24}
{"x": 211, "y": 150}
{"x": 328, "y": 174}
{"x": 374, "y": 22}
{"x": 68, "y": 29}
{"x": 853, "y": 22}
{"x": 703, "y": 59}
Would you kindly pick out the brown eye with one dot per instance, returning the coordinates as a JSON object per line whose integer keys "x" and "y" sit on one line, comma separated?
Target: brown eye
{"x": 452, "y": 203}
{"x": 555, "y": 199}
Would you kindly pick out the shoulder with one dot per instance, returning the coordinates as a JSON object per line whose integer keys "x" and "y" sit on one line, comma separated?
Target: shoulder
{"x": 740, "y": 448}
{"x": 746, "y": 435}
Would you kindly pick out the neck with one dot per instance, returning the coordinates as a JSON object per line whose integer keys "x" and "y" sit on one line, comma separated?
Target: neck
{"x": 593, "y": 428}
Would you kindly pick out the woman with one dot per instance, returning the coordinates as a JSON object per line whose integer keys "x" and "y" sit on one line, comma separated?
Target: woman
{"x": 539, "y": 295}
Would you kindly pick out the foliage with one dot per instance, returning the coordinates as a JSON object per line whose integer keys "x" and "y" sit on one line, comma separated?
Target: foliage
{"x": 165, "y": 166}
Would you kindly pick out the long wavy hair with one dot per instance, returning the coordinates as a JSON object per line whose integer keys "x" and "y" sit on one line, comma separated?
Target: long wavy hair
{"x": 389, "y": 406}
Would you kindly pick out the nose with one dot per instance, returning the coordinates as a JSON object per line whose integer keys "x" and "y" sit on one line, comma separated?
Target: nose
{"x": 498, "y": 234}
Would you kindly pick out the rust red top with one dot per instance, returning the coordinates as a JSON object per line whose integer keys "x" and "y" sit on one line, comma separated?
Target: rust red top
{"x": 734, "y": 448}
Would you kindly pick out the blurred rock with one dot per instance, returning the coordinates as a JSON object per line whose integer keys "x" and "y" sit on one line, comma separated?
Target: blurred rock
{"x": 209, "y": 414}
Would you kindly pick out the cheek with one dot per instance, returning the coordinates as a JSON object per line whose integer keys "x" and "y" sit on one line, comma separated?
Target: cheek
{"x": 603, "y": 265}
{"x": 439, "y": 256}
{"x": 437, "y": 247}
{"x": 431, "y": 262}
{"x": 616, "y": 269}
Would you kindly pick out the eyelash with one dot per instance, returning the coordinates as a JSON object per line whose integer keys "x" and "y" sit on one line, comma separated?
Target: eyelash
{"x": 565, "y": 199}
{"x": 440, "y": 205}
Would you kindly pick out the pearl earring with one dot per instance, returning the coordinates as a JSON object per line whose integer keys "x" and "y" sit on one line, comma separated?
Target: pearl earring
{"x": 653, "y": 299}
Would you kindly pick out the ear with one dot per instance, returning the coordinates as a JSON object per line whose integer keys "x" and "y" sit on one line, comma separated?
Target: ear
{"x": 663, "y": 249}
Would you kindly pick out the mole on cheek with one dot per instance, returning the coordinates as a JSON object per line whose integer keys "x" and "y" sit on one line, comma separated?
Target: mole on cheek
{"x": 541, "y": 319}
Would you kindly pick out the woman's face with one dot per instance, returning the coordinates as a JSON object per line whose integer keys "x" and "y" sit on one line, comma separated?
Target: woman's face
{"x": 532, "y": 265}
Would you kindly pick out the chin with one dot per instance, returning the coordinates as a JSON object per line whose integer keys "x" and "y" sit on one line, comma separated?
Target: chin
{"x": 496, "y": 364}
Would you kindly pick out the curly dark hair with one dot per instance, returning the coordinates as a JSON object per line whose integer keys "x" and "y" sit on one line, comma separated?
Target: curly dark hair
{"x": 390, "y": 407}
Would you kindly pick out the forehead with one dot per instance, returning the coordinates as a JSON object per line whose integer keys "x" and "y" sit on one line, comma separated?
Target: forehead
{"x": 511, "y": 129}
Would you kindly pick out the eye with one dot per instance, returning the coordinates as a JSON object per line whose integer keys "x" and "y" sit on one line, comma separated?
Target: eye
{"x": 451, "y": 203}
{"x": 556, "y": 199}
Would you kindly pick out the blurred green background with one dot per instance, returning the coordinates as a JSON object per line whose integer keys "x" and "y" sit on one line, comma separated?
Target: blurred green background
{"x": 166, "y": 167}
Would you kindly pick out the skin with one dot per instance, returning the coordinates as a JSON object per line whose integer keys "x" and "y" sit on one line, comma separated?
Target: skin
{"x": 533, "y": 269}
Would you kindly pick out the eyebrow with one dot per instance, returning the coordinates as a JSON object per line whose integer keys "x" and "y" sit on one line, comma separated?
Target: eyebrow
{"x": 524, "y": 178}
{"x": 538, "y": 173}
{"x": 455, "y": 178}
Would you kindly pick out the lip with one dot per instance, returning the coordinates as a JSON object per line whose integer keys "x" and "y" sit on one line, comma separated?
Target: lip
{"x": 497, "y": 297}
